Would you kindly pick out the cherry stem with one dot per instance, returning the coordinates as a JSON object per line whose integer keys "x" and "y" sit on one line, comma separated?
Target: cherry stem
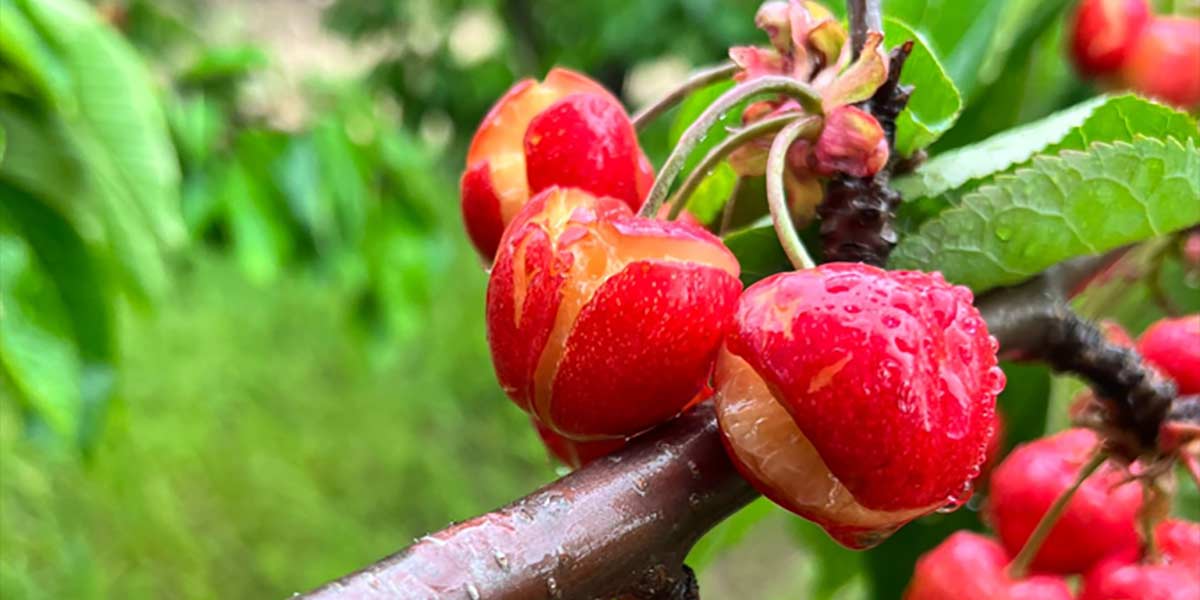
{"x": 698, "y": 80}
{"x": 781, "y": 217}
{"x": 810, "y": 101}
{"x": 1152, "y": 495}
{"x": 731, "y": 205}
{"x": 736, "y": 140}
{"x": 1020, "y": 565}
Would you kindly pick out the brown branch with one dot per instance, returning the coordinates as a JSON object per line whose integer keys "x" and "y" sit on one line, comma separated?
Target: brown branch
{"x": 622, "y": 526}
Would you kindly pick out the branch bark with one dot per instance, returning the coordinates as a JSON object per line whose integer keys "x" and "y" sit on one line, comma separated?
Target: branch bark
{"x": 622, "y": 526}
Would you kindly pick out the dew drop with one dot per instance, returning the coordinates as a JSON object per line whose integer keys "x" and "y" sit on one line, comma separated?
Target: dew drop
{"x": 1004, "y": 233}
{"x": 472, "y": 591}
{"x": 890, "y": 321}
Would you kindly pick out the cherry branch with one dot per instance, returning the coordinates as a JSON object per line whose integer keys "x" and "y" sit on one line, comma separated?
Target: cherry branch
{"x": 624, "y": 524}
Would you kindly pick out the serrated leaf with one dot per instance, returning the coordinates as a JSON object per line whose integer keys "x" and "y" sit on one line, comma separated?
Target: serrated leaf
{"x": 935, "y": 103}
{"x": 1101, "y": 119}
{"x": 1059, "y": 207}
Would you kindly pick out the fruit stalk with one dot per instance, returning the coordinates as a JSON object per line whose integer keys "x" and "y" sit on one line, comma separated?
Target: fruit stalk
{"x": 624, "y": 523}
{"x": 698, "y": 80}
{"x": 777, "y": 196}
{"x": 1020, "y": 565}
{"x": 809, "y": 99}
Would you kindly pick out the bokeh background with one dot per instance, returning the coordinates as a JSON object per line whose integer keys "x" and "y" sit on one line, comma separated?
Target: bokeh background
{"x": 241, "y": 329}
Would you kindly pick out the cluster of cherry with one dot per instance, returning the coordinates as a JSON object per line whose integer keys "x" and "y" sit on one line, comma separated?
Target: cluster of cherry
{"x": 1096, "y": 533}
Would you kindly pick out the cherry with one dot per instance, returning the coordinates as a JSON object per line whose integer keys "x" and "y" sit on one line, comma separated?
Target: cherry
{"x": 1179, "y": 542}
{"x": 1114, "y": 579}
{"x": 1098, "y": 521}
{"x": 969, "y": 565}
{"x": 1173, "y": 347}
{"x": 1165, "y": 62}
{"x": 576, "y": 454}
{"x": 568, "y": 131}
{"x": 602, "y": 323}
{"x": 1105, "y": 32}
{"x": 856, "y": 397}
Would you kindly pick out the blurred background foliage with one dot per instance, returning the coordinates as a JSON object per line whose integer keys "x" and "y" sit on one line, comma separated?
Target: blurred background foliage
{"x": 241, "y": 331}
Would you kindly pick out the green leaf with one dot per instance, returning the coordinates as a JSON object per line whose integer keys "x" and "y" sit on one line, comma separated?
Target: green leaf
{"x": 1101, "y": 119}
{"x": 118, "y": 111}
{"x": 759, "y": 253}
{"x": 728, "y": 533}
{"x": 1059, "y": 207}
{"x": 37, "y": 351}
{"x": 935, "y": 103}
{"x": 710, "y": 197}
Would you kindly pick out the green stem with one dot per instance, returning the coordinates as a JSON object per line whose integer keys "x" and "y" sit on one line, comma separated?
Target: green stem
{"x": 730, "y": 205}
{"x": 809, "y": 100}
{"x": 1020, "y": 565}
{"x": 735, "y": 140}
{"x": 696, "y": 81}
{"x": 781, "y": 217}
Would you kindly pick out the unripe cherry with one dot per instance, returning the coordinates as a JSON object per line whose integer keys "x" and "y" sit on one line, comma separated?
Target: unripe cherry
{"x": 602, "y": 323}
{"x": 1173, "y": 347}
{"x": 858, "y": 398}
{"x": 1098, "y": 521}
{"x": 1104, "y": 34}
{"x": 568, "y": 131}
{"x": 1165, "y": 62}
{"x": 970, "y": 566}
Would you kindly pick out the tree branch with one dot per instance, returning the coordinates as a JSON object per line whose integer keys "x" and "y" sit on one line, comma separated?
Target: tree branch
{"x": 623, "y": 525}
{"x": 864, "y": 16}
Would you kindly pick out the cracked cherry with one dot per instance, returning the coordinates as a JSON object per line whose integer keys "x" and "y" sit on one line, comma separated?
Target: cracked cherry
{"x": 969, "y": 565}
{"x": 858, "y": 398}
{"x": 602, "y": 323}
{"x": 576, "y": 454}
{"x": 1097, "y": 522}
{"x": 566, "y": 131}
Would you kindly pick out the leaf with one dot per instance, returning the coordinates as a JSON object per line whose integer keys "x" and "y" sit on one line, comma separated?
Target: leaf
{"x": 118, "y": 110}
{"x": 710, "y": 197}
{"x": 1101, "y": 119}
{"x": 759, "y": 253}
{"x": 935, "y": 103}
{"x": 728, "y": 533}
{"x": 78, "y": 290}
{"x": 1059, "y": 207}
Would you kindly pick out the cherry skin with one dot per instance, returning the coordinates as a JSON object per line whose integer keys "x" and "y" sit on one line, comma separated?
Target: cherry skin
{"x": 602, "y": 323}
{"x": 576, "y": 454}
{"x": 1097, "y": 522}
{"x": 1114, "y": 579}
{"x": 1165, "y": 62}
{"x": 1104, "y": 34}
{"x": 858, "y": 398}
{"x": 568, "y": 131}
{"x": 1173, "y": 347}
{"x": 969, "y": 565}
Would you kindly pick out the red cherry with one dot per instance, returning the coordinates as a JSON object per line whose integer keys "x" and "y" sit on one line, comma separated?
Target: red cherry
{"x": 1179, "y": 542}
{"x": 1117, "y": 579}
{"x": 576, "y": 454}
{"x": 856, "y": 397}
{"x": 1097, "y": 522}
{"x": 1173, "y": 347}
{"x": 970, "y": 566}
{"x": 1105, "y": 32}
{"x": 586, "y": 140}
{"x": 601, "y": 323}
{"x": 1165, "y": 62}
